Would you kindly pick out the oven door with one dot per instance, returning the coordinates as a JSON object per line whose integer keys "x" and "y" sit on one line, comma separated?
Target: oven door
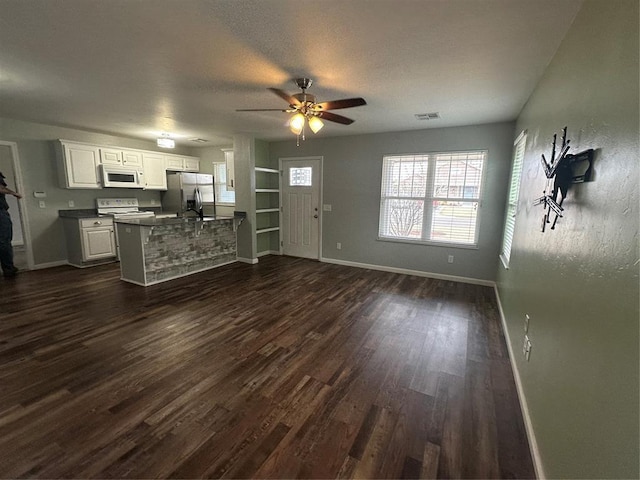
{"x": 121, "y": 177}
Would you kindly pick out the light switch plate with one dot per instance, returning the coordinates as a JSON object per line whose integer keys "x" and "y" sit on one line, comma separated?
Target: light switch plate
{"x": 326, "y": 207}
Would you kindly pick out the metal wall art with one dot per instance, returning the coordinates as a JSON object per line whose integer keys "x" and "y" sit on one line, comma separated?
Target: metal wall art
{"x": 561, "y": 172}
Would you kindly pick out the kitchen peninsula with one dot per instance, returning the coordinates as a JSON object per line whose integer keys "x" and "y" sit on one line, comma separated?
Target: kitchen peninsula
{"x": 154, "y": 250}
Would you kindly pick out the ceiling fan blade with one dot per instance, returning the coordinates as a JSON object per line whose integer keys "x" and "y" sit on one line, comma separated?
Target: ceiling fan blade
{"x": 345, "y": 103}
{"x": 285, "y": 96}
{"x": 332, "y": 117}
{"x": 261, "y": 110}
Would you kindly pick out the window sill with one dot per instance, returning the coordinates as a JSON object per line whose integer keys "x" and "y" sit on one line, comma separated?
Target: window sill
{"x": 505, "y": 262}
{"x": 428, "y": 243}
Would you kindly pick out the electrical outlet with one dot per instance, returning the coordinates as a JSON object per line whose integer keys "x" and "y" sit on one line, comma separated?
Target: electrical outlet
{"x": 153, "y": 202}
{"x": 450, "y": 259}
{"x": 526, "y": 323}
{"x": 72, "y": 204}
{"x": 339, "y": 246}
{"x": 41, "y": 204}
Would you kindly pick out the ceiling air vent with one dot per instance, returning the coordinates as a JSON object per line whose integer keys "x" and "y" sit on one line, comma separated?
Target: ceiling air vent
{"x": 428, "y": 116}
{"x": 198, "y": 140}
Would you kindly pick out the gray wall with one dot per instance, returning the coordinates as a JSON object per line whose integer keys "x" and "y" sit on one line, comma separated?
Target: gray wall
{"x": 579, "y": 283}
{"x": 352, "y": 172}
{"x": 39, "y": 173}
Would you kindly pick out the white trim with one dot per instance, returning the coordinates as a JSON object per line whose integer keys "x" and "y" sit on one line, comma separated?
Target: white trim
{"x": 252, "y": 261}
{"x": 42, "y": 266}
{"x": 22, "y": 207}
{"x": 267, "y": 230}
{"x": 522, "y": 134}
{"x": 89, "y": 265}
{"x": 268, "y": 252}
{"x": 406, "y": 271}
{"x": 533, "y": 444}
{"x": 267, "y": 170}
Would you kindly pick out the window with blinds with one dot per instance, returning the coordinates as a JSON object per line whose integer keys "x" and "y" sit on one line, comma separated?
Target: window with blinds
{"x": 432, "y": 197}
{"x": 514, "y": 192}
{"x": 223, "y": 196}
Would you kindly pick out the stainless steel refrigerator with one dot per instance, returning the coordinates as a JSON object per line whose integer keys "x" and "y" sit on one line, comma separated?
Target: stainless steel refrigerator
{"x": 188, "y": 192}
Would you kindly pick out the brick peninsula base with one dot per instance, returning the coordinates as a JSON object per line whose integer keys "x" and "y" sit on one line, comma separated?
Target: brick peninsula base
{"x": 159, "y": 249}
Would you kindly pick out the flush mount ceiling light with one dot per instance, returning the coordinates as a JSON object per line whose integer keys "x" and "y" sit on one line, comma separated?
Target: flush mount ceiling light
{"x": 165, "y": 142}
{"x": 307, "y": 111}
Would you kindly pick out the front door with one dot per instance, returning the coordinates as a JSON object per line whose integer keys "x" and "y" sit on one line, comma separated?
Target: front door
{"x": 301, "y": 179}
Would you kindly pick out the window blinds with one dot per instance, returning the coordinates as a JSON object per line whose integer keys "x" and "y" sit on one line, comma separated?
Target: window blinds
{"x": 514, "y": 192}
{"x": 431, "y": 197}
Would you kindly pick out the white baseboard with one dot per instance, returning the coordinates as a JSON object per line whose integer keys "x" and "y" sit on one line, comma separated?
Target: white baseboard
{"x": 252, "y": 261}
{"x": 533, "y": 444}
{"x": 40, "y": 266}
{"x": 268, "y": 252}
{"x": 405, "y": 271}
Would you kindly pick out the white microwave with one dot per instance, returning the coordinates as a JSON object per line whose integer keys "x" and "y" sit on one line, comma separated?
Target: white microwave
{"x": 121, "y": 177}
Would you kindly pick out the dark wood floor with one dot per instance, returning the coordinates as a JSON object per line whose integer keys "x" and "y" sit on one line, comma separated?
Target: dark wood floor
{"x": 289, "y": 368}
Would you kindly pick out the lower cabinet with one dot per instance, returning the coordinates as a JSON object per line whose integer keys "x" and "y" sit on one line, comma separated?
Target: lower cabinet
{"x": 90, "y": 241}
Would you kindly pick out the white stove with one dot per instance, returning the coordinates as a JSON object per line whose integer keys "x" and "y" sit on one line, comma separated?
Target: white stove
{"x": 121, "y": 208}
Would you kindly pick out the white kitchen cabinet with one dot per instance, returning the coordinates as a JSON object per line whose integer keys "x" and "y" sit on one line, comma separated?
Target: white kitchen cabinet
{"x": 177, "y": 163}
{"x": 119, "y": 156}
{"x": 191, "y": 164}
{"x": 110, "y": 156}
{"x": 131, "y": 158}
{"x": 78, "y": 165}
{"x": 228, "y": 161}
{"x": 155, "y": 171}
{"x": 90, "y": 241}
{"x": 98, "y": 243}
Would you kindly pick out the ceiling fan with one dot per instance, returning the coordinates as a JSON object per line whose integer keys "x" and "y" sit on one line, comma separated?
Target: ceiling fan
{"x": 307, "y": 111}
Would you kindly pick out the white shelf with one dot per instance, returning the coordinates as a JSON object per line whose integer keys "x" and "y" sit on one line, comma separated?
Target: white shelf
{"x": 265, "y": 230}
{"x": 267, "y": 210}
{"x": 267, "y": 170}
{"x": 267, "y": 190}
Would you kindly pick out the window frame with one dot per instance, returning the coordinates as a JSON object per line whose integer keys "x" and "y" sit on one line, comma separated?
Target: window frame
{"x": 218, "y": 185}
{"x": 430, "y": 197}
{"x": 511, "y": 211}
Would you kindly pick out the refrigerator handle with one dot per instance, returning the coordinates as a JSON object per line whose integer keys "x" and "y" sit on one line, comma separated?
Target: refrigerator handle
{"x": 198, "y": 198}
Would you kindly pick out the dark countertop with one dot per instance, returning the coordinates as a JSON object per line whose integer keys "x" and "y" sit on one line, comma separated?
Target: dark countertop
{"x": 155, "y": 222}
{"x": 78, "y": 213}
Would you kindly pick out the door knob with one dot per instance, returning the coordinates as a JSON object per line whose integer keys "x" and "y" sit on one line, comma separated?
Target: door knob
{"x": 315, "y": 216}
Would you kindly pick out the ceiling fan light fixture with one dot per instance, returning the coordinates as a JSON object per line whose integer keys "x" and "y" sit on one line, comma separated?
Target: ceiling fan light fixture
{"x": 315, "y": 124}
{"x": 296, "y": 124}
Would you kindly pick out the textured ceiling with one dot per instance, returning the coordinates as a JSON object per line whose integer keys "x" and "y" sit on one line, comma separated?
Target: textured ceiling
{"x": 136, "y": 67}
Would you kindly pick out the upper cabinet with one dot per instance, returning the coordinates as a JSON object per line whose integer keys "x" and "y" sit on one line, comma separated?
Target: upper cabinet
{"x": 79, "y": 164}
{"x": 177, "y": 163}
{"x": 118, "y": 156}
{"x": 155, "y": 171}
{"x": 228, "y": 160}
